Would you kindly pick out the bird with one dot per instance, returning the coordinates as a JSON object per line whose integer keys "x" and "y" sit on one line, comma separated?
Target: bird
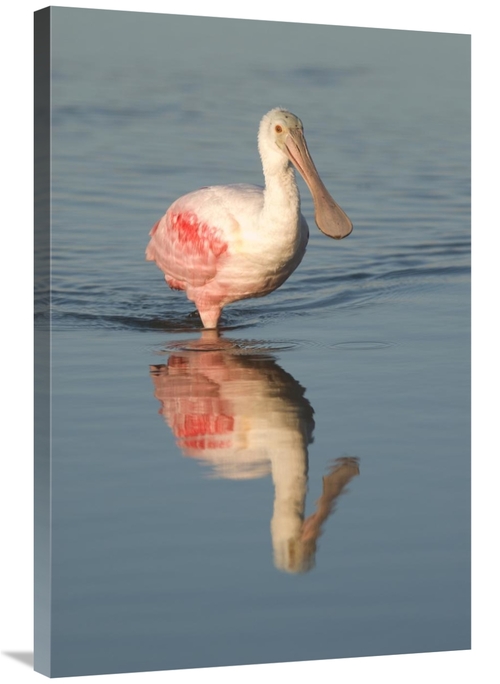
{"x": 224, "y": 243}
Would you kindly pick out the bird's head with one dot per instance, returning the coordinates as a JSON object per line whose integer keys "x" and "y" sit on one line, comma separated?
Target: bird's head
{"x": 281, "y": 140}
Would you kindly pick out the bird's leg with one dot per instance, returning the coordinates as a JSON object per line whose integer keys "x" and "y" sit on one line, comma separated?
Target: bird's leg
{"x": 210, "y": 316}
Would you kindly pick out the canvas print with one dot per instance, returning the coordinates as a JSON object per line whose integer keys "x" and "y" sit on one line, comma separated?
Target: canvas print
{"x": 252, "y": 332}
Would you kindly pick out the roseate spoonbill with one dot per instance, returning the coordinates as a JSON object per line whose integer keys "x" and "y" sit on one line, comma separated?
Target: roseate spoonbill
{"x": 225, "y": 243}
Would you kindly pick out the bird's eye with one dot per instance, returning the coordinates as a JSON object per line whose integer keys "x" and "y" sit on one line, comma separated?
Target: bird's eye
{"x": 278, "y": 129}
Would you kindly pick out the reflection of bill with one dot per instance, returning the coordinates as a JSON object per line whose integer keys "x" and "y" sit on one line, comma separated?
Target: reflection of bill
{"x": 247, "y": 418}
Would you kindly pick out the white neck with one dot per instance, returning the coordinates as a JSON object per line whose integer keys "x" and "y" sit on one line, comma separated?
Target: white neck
{"x": 281, "y": 195}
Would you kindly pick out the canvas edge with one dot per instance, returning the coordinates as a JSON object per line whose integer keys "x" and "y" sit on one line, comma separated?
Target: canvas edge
{"x": 42, "y": 344}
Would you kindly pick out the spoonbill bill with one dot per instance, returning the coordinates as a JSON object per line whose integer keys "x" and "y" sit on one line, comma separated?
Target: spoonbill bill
{"x": 224, "y": 243}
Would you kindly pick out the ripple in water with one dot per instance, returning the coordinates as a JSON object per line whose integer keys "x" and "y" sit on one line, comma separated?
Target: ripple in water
{"x": 211, "y": 341}
{"x": 363, "y": 345}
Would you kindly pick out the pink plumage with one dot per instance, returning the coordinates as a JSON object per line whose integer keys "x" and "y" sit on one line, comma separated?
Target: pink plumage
{"x": 185, "y": 248}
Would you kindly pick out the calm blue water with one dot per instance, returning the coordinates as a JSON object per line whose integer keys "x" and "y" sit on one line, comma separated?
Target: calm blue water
{"x": 299, "y": 488}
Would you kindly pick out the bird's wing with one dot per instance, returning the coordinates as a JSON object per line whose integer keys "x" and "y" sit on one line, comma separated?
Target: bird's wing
{"x": 186, "y": 247}
{"x": 197, "y": 232}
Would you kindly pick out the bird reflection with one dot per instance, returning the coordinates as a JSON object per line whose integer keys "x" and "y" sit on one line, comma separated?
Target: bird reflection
{"x": 246, "y": 417}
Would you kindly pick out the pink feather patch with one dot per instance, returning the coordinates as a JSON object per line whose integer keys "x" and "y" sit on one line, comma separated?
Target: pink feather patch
{"x": 185, "y": 248}
{"x": 197, "y": 236}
